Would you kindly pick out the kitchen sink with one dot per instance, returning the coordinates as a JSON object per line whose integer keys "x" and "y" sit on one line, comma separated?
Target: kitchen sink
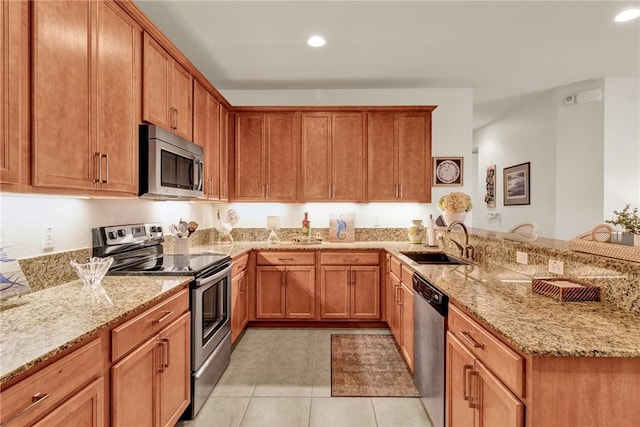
{"x": 432, "y": 258}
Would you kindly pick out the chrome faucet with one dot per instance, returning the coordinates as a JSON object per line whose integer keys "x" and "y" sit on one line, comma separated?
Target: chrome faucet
{"x": 466, "y": 251}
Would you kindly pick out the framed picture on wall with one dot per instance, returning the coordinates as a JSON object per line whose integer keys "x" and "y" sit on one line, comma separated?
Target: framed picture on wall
{"x": 447, "y": 171}
{"x": 517, "y": 184}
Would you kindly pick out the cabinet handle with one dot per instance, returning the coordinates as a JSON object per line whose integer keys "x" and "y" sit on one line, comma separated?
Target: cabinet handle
{"x": 171, "y": 126}
{"x": 467, "y": 336}
{"x": 166, "y": 344}
{"x": 465, "y": 375}
{"x": 330, "y": 190}
{"x": 97, "y": 171}
{"x": 164, "y": 317}
{"x": 349, "y": 260}
{"x": 401, "y": 188}
{"x": 175, "y": 110}
{"x": 36, "y": 400}
{"x": 106, "y": 157}
{"x": 398, "y": 293}
{"x": 334, "y": 191}
{"x": 395, "y": 190}
{"x": 285, "y": 259}
{"x": 395, "y": 294}
{"x": 473, "y": 397}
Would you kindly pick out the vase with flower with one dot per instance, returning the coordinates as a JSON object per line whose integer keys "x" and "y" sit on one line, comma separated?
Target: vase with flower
{"x": 629, "y": 220}
{"x": 454, "y": 206}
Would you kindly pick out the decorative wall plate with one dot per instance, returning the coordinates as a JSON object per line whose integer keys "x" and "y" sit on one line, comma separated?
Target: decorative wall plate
{"x": 447, "y": 171}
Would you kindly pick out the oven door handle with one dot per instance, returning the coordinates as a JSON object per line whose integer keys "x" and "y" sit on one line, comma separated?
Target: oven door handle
{"x": 204, "y": 281}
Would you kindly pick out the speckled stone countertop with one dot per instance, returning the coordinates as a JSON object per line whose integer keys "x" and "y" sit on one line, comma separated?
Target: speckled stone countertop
{"x": 39, "y": 325}
{"x": 503, "y": 301}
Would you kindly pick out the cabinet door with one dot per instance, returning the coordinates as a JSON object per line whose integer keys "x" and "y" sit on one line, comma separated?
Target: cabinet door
{"x": 239, "y": 305}
{"x": 347, "y": 154}
{"x": 459, "y": 367}
{"x": 393, "y": 307}
{"x": 156, "y": 83}
{"x": 406, "y": 303}
{"x": 174, "y": 384}
{"x": 200, "y": 113}
{"x": 365, "y": 292}
{"x": 118, "y": 101}
{"x": 224, "y": 153}
{"x": 14, "y": 93}
{"x": 249, "y": 156}
{"x": 316, "y": 157}
{"x": 212, "y": 149}
{"x": 133, "y": 386}
{"x": 334, "y": 292}
{"x": 83, "y": 409}
{"x": 182, "y": 101}
{"x": 414, "y": 156}
{"x": 62, "y": 100}
{"x": 270, "y": 293}
{"x": 497, "y": 405}
{"x": 382, "y": 158}
{"x": 282, "y": 132}
{"x": 301, "y": 292}
{"x": 243, "y": 302}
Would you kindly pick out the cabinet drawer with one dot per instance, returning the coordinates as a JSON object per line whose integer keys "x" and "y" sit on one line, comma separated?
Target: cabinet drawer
{"x": 504, "y": 362}
{"x": 286, "y": 258}
{"x": 239, "y": 265}
{"x": 130, "y": 334}
{"x": 53, "y": 384}
{"x": 395, "y": 266}
{"x": 350, "y": 258}
{"x": 407, "y": 276}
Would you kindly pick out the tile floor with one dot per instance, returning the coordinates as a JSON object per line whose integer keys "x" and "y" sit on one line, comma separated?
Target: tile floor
{"x": 282, "y": 377}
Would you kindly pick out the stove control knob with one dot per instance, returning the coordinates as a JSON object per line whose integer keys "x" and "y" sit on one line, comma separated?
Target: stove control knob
{"x": 153, "y": 229}
{"x": 122, "y": 232}
{"x": 159, "y": 229}
{"x": 112, "y": 235}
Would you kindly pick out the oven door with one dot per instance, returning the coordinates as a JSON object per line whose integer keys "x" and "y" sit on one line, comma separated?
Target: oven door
{"x": 210, "y": 317}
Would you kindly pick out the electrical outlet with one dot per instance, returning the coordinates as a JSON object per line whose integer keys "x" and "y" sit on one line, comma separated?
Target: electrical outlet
{"x": 556, "y": 267}
{"x": 522, "y": 258}
{"x": 47, "y": 237}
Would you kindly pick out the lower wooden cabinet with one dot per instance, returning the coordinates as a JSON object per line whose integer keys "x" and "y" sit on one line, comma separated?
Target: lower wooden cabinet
{"x": 400, "y": 307}
{"x": 285, "y": 292}
{"x": 350, "y": 292}
{"x": 85, "y": 408}
{"x": 239, "y": 304}
{"x": 151, "y": 385}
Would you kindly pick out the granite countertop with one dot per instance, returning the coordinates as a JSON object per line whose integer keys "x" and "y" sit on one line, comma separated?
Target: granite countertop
{"x": 503, "y": 302}
{"x": 39, "y": 325}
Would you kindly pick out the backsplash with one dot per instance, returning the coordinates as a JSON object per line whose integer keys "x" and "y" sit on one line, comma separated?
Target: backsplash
{"x": 619, "y": 280}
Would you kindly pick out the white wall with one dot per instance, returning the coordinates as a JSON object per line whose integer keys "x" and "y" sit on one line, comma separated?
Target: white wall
{"x": 24, "y": 217}
{"x": 526, "y": 134}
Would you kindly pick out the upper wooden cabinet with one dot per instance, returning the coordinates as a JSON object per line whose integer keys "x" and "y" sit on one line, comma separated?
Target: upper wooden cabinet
{"x": 86, "y": 96}
{"x": 332, "y": 156}
{"x": 266, "y": 153}
{"x": 399, "y": 156}
{"x": 167, "y": 90}
{"x": 223, "y": 120}
{"x": 14, "y": 95}
{"x": 206, "y": 133}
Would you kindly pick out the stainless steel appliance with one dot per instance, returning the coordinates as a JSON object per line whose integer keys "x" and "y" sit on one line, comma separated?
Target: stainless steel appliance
{"x": 170, "y": 167}
{"x": 430, "y": 310}
{"x": 137, "y": 249}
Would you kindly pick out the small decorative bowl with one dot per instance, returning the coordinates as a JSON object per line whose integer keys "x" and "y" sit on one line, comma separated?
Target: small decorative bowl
{"x": 92, "y": 272}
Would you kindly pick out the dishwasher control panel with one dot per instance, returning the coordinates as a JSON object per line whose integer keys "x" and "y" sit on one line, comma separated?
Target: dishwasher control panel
{"x": 434, "y": 296}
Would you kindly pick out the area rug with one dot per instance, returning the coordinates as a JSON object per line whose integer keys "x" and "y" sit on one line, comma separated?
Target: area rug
{"x": 369, "y": 365}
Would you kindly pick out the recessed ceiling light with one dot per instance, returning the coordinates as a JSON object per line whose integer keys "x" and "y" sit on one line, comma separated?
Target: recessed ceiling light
{"x": 628, "y": 15}
{"x": 316, "y": 41}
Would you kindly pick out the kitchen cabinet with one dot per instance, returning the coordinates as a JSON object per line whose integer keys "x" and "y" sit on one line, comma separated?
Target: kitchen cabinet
{"x": 400, "y": 307}
{"x": 350, "y": 285}
{"x": 332, "y": 156}
{"x": 224, "y": 152}
{"x": 399, "y": 156}
{"x": 85, "y": 127}
{"x": 476, "y": 395}
{"x": 285, "y": 285}
{"x": 150, "y": 384}
{"x": 206, "y": 133}
{"x": 167, "y": 90}
{"x": 239, "y": 296}
{"x": 266, "y": 156}
{"x": 15, "y": 167}
{"x": 69, "y": 389}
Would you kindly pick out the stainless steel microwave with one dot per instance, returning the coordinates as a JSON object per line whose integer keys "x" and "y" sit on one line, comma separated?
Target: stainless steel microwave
{"x": 170, "y": 166}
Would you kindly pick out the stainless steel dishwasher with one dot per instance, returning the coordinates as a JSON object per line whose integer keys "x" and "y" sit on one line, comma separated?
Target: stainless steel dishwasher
{"x": 430, "y": 308}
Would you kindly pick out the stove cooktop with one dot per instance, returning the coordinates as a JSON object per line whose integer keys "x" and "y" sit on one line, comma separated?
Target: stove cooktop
{"x": 174, "y": 265}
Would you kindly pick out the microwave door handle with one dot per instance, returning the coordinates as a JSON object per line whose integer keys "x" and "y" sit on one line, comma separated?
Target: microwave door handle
{"x": 200, "y": 177}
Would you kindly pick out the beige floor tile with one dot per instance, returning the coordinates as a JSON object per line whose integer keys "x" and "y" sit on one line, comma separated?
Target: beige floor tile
{"x": 400, "y": 412}
{"x": 221, "y": 412}
{"x": 280, "y": 382}
{"x": 341, "y": 412}
{"x": 237, "y": 381}
{"x": 296, "y": 338}
{"x": 321, "y": 383}
{"x": 322, "y": 358}
{"x": 249, "y": 356}
{"x": 277, "y": 412}
{"x": 292, "y": 358}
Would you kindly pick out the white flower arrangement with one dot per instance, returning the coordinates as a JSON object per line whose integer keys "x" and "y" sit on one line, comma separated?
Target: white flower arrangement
{"x": 455, "y": 202}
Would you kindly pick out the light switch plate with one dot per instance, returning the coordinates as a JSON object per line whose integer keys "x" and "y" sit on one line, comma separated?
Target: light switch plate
{"x": 556, "y": 267}
{"x": 522, "y": 258}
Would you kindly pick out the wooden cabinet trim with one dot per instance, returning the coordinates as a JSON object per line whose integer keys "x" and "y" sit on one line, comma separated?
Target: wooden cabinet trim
{"x": 349, "y": 258}
{"x": 285, "y": 258}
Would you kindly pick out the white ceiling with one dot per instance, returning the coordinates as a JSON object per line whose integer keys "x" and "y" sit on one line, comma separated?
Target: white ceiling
{"x": 507, "y": 51}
